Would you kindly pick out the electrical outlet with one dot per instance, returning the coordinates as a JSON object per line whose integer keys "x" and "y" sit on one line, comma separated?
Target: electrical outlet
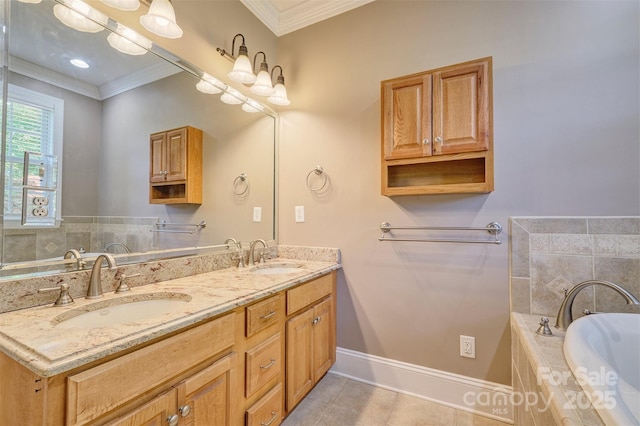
{"x": 40, "y": 212}
{"x": 467, "y": 346}
{"x": 257, "y": 214}
{"x": 40, "y": 201}
{"x": 299, "y": 214}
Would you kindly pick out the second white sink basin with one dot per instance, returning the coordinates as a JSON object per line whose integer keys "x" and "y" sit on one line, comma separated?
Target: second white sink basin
{"x": 276, "y": 268}
{"x": 127, "y": 309}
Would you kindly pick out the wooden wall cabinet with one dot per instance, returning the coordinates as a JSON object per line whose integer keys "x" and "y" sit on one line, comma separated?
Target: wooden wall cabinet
{"x": 311, "y": 338}
{"x": 437, "y": 131}
{"x": 175, "y": 170}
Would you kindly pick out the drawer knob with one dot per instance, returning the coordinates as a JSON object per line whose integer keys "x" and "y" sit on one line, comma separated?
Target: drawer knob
{"x": 316, "y": 320}
{"x": 173, "y": 420}
{"x": 184, "y": 410}
{"x": 264, "y": 367}
{"x": 274, "y": 414}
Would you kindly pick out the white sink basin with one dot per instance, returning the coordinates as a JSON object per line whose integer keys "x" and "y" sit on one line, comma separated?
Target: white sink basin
{"x": 276, "y": 268}
{"x": 128, "y": 309}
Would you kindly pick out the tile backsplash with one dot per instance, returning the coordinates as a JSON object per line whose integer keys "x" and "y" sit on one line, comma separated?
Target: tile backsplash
{"x": 551, "y": 254}
{"x": 92, "y": 233}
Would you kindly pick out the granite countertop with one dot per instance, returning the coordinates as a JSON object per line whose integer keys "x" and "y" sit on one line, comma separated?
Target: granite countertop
{"x": 33, "y": 338}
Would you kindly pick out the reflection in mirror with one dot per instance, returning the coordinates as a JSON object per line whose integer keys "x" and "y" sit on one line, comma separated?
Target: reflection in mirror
{"x": 109, "y": 111}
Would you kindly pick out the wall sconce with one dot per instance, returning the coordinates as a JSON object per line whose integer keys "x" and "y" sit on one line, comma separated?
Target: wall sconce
{"x": 279, "y": 96}
{"x": 128, "y": 41}
{"x": 242, "y": 71}
{"x": 161, "y": 20}
{"x": 262, "y": 86}
{"x": 128, "y": 5}
{"x": 80, "y": 16}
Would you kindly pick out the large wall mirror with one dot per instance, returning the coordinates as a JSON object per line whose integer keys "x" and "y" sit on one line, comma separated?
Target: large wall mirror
{"x": 109, "y": 112}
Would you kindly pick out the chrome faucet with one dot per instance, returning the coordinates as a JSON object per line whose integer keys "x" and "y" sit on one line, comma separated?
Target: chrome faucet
{"x": 565, "y": 316}
{"x": 239, "y": 256}
{"x": 80, "y": 262}
{"x": 95, "y": 284}
{"x": 124, "y": 246}
{"x": 252, "y": 249}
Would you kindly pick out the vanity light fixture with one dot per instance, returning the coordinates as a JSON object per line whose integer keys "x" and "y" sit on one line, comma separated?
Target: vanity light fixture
{"x": 262, "y": 86}
{"x": 30, "y": 1}
{"x": 80, "y": 16}
{"x": 161, "y": 19}
{"x": 242, "y": 71}
{"x": 128, "y": 41}
{"x": 232, "y": 97}
{"x": 279, "y": 96}
{"x": 128, "y": 5}
{"x": 210, "y": 85}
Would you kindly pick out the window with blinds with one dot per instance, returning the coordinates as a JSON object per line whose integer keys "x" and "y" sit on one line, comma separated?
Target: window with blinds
{"x": 34, "y": 125}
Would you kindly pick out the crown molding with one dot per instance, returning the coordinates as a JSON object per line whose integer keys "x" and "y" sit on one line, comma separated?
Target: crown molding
{"x": 130, "y": 81}
{"x": 305, "y": 13}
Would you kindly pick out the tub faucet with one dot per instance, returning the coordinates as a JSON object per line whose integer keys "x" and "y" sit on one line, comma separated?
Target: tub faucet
{"x": 75, "y": 254}
{"x": 252, "y": 249}
{"x": 565, "y": 316}
{"x": 95, "y": 284}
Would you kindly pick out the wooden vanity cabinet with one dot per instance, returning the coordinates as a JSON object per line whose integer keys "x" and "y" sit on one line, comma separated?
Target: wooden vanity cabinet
{"x": 264, "y": 343}
{"x": 437, "y": 131}
{"x": 235, "y": 369}
{"x": 175, "y": 170}
{"x": 311, "y": 336}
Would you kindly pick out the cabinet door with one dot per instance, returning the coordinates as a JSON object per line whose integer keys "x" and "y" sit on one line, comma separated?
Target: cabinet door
{"x": 176, "y": 154}
{"x": 158, "y": 155}
{"x": 299, "y": 357}
{"x": 154, "y": 413}
{"x": 460, "y": 109}
{"x": 323, "y": 338}
{"x": 406, "y": 121}
{"x": 204, "y": 399}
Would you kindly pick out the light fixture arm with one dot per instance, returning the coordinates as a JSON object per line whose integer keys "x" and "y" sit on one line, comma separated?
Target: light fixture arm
{"x": 263, "y": 66}
{"x": 230, "y": 56}
{"x": 280, "y": 78}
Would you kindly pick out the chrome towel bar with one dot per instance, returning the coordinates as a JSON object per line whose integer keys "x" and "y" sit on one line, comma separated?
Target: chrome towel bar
{"x": 159, "y": 227}
{"x": 494, "y": 228}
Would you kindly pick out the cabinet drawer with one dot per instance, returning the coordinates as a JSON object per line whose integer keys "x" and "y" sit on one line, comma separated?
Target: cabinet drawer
{"x": 308, "y": 293}
{"x": 262, "y": 315}
{"x": 267, "y": 411}
{"x": 263, "y": 363}
{"x": 101, "y": 389}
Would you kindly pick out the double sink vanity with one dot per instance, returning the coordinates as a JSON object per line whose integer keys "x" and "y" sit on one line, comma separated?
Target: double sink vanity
{"x": 226, "y": 347}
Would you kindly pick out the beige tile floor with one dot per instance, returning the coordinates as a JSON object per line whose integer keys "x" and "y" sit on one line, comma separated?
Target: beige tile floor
{"x": 337, "y": 401}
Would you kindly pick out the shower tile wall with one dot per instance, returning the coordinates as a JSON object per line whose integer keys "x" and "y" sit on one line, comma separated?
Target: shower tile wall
{"x": 550, "y": 254}
{"x": 91, "y": 233}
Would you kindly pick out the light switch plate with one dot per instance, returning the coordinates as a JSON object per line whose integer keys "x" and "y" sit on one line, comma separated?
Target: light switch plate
{"x": 299, "y": 214}
{"x": 257, "y": 214}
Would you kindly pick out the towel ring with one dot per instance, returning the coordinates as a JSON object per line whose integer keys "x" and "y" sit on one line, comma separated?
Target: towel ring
{"x": 318, "y": 170}
{"x": 241, "y": 178}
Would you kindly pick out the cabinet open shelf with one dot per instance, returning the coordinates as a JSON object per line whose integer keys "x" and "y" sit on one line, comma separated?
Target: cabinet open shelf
{"x": 444, "y": 175}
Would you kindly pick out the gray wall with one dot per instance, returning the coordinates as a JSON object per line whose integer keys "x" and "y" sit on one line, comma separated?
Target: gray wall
{"x": 566, "y": 122}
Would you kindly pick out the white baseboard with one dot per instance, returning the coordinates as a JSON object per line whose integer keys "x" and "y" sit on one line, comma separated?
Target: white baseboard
{"x": 464, "y": 393}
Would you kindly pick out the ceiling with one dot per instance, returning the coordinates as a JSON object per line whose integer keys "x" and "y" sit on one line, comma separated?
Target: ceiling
{"x": 285, "y": 16}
